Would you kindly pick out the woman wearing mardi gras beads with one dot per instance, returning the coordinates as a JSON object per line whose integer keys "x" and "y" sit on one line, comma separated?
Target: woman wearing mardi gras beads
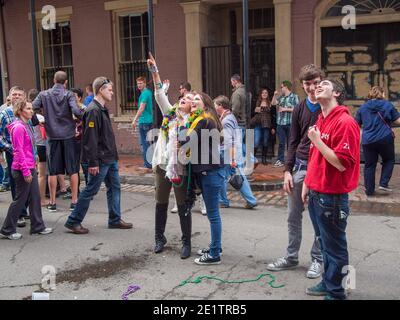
{"x": 169, "y": 172}
{"x": 207, "y": 166}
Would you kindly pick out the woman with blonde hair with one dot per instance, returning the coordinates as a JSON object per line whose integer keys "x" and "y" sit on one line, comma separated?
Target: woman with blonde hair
{"x": 169, "y": 172}
{"x": 24, "y": 174}
{"x": 376, "y": 117}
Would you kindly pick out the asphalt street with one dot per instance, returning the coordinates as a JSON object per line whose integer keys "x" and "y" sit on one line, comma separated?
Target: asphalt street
{"x": 102, "y": 264}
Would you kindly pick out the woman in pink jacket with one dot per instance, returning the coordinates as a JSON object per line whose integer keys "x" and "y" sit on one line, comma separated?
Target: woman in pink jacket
{"x": 25, "y": 175}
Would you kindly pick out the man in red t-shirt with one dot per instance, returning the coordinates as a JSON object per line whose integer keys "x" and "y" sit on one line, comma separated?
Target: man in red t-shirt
{"x": 333, "y": 171}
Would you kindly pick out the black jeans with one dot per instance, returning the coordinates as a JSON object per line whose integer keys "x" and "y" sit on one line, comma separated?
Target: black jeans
{"x": 25, "y": 193}
{"x": 385, "y": 149}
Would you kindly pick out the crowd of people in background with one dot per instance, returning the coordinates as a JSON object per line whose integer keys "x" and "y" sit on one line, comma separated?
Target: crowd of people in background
{"x": 47, "y": 135}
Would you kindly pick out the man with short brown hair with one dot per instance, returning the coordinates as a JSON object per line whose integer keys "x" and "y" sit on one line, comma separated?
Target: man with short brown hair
{"x": 285, "y": 104}
{"x": 305, "y": 114}
{"x": 59, "y": 106}
{"x": 99, "y": 153}
{"x": 145, "y": 116}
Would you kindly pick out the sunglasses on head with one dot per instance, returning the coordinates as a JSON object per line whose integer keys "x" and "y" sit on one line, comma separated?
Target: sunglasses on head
{"x": 104, "y": 82}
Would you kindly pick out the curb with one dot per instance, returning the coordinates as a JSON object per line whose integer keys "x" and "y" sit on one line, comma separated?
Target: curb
{"x": 357, "y": 206}
{"x": 148, "y": 180}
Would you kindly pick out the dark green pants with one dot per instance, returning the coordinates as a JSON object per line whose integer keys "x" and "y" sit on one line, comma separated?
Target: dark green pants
{"x": 163, "y": 188}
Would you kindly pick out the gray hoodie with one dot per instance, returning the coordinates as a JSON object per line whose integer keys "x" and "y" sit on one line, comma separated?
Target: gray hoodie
{"x": 59, "y": 104}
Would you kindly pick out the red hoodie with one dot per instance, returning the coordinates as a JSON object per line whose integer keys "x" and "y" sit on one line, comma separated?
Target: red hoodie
{"x": 341, "y": 133}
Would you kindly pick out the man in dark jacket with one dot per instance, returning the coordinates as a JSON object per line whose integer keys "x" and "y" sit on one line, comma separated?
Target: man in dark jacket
{"x": 99, "y": 152}
{"x": 59, "y": 105}
{"x": 305, "y": 114}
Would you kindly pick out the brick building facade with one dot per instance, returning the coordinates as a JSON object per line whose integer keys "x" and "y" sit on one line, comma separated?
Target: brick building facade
{"x": 200, "y": 41}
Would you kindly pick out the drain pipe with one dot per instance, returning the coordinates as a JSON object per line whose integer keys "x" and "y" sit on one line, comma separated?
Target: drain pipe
{"x": 5, "y": 84}
{"x": 35, "y": 45}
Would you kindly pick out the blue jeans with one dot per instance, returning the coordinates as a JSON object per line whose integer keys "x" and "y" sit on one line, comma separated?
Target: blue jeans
{"x": 144, "y": 128}
{"x": 283, "y": 136}
{"x": 261, "y": 137}
{"x": 211, "y": 183}
{"x": 6, "y": 180}
{"x": 109, "y": 173}
{"x": 385, "y": 149}
{"x": 245, "y": 190}
{"x": 85, "y": 169}
{"x": 253, "y": 159}
{"x": 329, "y": 216}
{"x": 1, "y": 174}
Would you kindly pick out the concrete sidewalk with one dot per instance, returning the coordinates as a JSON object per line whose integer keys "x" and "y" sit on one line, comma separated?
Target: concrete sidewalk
{"x": 270, "y": 178}
{"x": 266, "y": 178}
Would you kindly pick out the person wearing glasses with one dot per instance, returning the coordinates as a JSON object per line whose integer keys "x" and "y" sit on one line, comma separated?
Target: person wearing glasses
{"x": 305, "y": 115}
{"x": 285, "y": 100}
{"x": 99, "y": 152}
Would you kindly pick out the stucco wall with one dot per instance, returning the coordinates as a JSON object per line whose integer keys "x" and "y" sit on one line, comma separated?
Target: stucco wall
{"x": 303, "y": 36}
{"x": 93, "y": 49}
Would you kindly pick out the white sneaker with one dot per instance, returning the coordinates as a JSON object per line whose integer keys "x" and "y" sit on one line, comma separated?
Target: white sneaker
{"x": 174, "y": 209}
{"x": 202, "y": 206}
{"x": 315, "y": 270}
{"x": 14, "y": 236}
{"x": 386, "y": 189}
{"x": 21, "y": 223}
{"x": 46, "y": 231}
{"x": 282, "y": 264}
{"x": 278, "y": 163}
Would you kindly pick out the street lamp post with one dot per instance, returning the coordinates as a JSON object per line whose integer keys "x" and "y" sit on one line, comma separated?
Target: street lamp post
{"x": 156, "y": 112}
{"x": 246, "y": 77}
{"x": 151, "y": 26}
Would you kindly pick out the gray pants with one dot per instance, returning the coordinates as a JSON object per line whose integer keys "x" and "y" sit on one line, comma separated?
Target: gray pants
{"x": 296, "y": 208}
{"x": 25, "y": 192}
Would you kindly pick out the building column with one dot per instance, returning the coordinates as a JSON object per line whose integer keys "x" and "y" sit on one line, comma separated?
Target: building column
{"x": 283, "y": 40}
{"x": 196, "y": 16}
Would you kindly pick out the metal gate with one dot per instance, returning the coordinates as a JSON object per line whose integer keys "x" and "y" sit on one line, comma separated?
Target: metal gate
{"x": 221, "y": 62}
{"x": 364, "y": 57}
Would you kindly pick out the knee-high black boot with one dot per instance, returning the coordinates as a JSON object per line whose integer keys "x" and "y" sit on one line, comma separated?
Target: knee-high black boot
{"x": 185, "y": 218}
{"x": 161, "y": 221}
{"x": 264, "y": 155}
